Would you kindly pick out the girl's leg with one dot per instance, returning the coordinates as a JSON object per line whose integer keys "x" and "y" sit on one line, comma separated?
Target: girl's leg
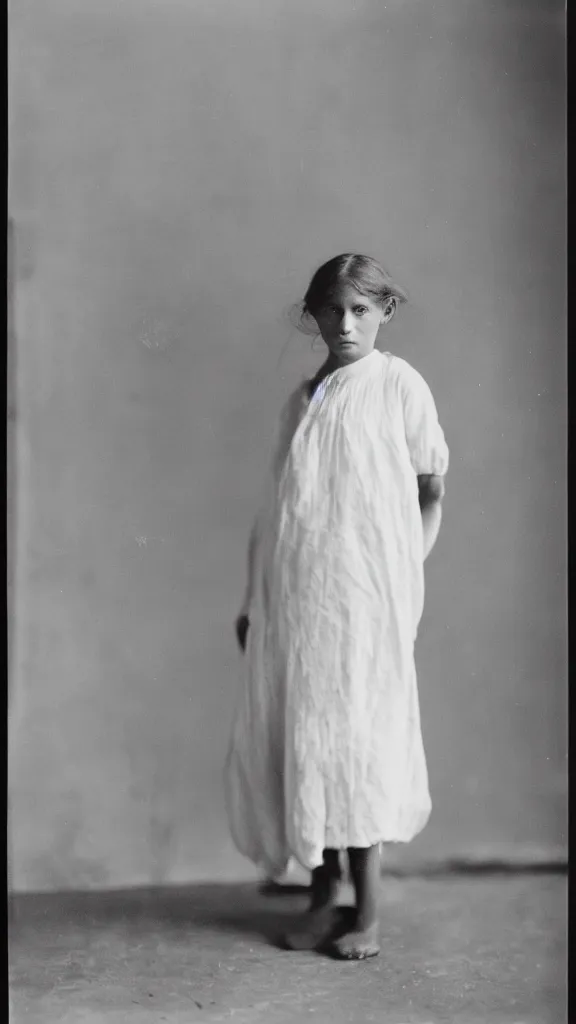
{"x": 316, "y": 924}
{"x": 365, "y": 872}
{"x": 362, "y": 941}
{"x": 325, "y": 880}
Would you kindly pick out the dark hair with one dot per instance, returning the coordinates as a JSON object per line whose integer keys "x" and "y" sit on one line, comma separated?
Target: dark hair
{"x": 362, "y": 272}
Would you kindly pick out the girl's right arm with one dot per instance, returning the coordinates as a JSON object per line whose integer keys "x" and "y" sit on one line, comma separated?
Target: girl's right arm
{"x": 242, "y": 623}
{"x": 252, "y": 544}
{"x": 289, "y": 419}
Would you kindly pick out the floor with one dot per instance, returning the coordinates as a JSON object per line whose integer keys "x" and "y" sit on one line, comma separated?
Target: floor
{"x": 462, "y": 949}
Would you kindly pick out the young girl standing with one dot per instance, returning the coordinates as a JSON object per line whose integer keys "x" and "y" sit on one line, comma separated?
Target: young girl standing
{"x": 326, "y": 751}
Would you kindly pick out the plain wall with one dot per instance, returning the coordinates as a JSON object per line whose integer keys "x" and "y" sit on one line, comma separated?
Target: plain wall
{"x": 177, "y": 171}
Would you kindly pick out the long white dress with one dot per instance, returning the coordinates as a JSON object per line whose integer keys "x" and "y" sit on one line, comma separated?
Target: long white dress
{"x": 326, "y": 748}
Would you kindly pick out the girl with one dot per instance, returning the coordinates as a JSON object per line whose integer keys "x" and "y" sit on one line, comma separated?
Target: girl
{"x": 326, "y": 751}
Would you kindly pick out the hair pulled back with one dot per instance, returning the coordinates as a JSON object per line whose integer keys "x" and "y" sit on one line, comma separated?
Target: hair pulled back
{"x": 364, "y": 273}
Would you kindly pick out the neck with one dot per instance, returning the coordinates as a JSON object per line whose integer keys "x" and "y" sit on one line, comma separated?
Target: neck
{"x": 329, "y": 365}
{"x": 333, "y": 363}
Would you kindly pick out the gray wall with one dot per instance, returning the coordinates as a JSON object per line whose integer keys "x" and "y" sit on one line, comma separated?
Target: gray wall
{"x": 177, "y": 171}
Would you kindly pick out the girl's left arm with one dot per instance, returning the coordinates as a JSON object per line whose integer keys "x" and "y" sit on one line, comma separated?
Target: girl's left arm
{"x": 431, "y": 489}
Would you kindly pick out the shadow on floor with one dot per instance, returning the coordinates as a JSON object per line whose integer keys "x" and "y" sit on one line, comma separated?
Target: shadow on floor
{"x": 468, "y": 948}
{"x": 245, "y": 910}
{"x": 262, "y": 912}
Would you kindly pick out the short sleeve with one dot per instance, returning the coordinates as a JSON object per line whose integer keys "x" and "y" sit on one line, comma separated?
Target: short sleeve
{"x": 424, "y": 435}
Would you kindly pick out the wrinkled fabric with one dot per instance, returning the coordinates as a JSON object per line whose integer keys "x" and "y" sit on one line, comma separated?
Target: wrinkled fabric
{"x": 326, "y": 747}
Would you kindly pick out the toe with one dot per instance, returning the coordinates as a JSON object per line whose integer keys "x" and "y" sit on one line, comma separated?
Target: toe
{"x": 356, "y": 946}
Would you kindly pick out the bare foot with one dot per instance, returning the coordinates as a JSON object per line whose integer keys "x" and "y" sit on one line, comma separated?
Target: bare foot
{"x": 358, "y": 944}
{"x": 316, "y": 926}
{"x": 313, "y": 929}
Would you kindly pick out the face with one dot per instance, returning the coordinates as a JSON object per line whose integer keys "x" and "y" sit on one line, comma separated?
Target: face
{"x": 349, "y": 323}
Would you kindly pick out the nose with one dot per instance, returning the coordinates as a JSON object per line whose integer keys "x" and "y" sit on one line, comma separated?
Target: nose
{"x": 346, "y": 323}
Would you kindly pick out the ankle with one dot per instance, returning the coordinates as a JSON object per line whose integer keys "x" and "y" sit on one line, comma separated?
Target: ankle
{"x": 366, "y": 921}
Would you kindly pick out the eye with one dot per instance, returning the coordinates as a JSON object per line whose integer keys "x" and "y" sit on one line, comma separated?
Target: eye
{"x": 360, "y": 310}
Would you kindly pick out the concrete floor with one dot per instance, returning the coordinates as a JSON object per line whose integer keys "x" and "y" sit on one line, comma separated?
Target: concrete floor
{"x": 470, "y": 950}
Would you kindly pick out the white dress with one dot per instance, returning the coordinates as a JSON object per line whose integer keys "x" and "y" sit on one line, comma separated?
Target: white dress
{"x": 326, "y": 748}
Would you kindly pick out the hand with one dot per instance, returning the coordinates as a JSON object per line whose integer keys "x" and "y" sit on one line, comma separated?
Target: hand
{"x": 242, "y": 626}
